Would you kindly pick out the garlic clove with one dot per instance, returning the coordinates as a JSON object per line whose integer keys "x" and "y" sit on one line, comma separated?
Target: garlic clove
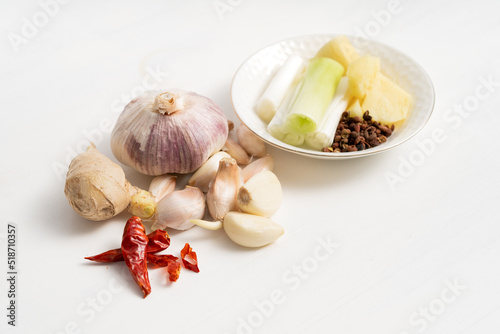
{"x": 205, "y": 174}
{"x": 221, "y": 196}
{"x": 252, "y": 144}
{"x": 177, "y": 208}
{"x": 236, "y": 151}
{"x": 261, "y": 195}
{"x": 162, "y": 185}
{"x": 257, "y": 166}
{"x": 251, "y": 230}
{"x": 240, "y": 172}
{"x": 215, "y": 225}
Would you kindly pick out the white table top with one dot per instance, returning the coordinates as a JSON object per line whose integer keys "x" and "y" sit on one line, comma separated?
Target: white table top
{"x": 360, "y": 254}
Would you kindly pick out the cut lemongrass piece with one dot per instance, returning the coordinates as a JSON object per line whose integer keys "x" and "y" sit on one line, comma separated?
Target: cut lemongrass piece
{"x": 281, "y": 132}
{"x": 215, "y": 225}
{"x": 277, "y": 128}
{"x": 326, "y": 131}
{"x": 278, "y": 86}
{"x": 309, "y": 106}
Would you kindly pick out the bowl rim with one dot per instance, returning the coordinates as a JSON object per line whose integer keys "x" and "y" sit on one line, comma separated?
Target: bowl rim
{"x": 341, "y": 155}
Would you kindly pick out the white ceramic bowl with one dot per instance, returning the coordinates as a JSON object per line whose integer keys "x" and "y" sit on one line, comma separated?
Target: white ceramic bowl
{"x": 254, "y": 74}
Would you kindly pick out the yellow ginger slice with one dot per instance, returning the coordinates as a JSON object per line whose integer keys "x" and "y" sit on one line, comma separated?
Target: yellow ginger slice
{"x": 339, "y": 49}
{"x": 361, "y": 73}
{"x": 386, "y": 101}
{"x": 355, "y": 109}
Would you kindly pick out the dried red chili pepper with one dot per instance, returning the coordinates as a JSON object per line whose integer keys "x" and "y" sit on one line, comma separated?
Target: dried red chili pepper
{"x": 113, "y": 255}
{"x": 191, "y": 262}
{"x": 169, "y": 261}
{"x": 174, "y": 269}
{"x": 161, "y": 260}
{"x": 134, "y": 244}
{"x": 138, "y": 249}
{"x": 157, "y": 241}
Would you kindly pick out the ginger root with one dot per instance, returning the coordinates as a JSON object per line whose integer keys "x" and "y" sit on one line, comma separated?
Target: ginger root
{"x": 97, "y": 189}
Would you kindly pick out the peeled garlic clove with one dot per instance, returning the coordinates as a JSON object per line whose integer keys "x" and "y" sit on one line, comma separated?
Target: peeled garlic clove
{"x": 257, "y": 166}
{"x": 252, "y": 144}
{"x": 221, "y": 196}
{"x": 261, "y": 195}
{"x": 206, "y": 173}
{"x": 177, "y": 208}
{"x": 250, "y": 230}
{"x": 162, "y": 185}
{"x": 236, "y": 151}
{"x": 168, "y": 131}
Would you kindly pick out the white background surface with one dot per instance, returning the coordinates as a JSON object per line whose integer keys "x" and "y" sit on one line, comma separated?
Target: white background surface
{"x": 398, "y": 248}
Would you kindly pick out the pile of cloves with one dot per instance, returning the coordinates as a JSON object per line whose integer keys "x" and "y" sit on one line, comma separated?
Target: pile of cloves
{"x": 240, "y": 200}
{"x": 356, "y": 133}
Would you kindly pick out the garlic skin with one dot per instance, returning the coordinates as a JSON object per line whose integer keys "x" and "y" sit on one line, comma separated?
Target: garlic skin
{"x": 236, "y": 152}
{"x": 261, "y": 195}
{"x": 171, "y": 131}
{"x": 257, "y": 166}
{"x": 206, "y": 173}
{"x": 221, "y": 196}
{"x": 177, "y": 208}
{"x": 250, "y": 230}
{"x": 162, "y": 185}
{"x": 252, "y": 144}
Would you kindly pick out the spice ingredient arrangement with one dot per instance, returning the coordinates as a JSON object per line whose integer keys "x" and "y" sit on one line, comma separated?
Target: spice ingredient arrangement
{"x": 337, "y": 101}
{"x": 305, "y": 100}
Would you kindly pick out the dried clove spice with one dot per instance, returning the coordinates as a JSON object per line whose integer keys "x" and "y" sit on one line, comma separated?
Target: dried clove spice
{"x": 356, "y": 133}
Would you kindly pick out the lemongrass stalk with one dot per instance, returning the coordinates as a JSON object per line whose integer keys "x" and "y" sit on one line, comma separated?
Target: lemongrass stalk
{"x": 275, "y": 92}
{"x": 277, "y": 128}
{"x": 326, "y": 131}
{"x": 320, "y": 81}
